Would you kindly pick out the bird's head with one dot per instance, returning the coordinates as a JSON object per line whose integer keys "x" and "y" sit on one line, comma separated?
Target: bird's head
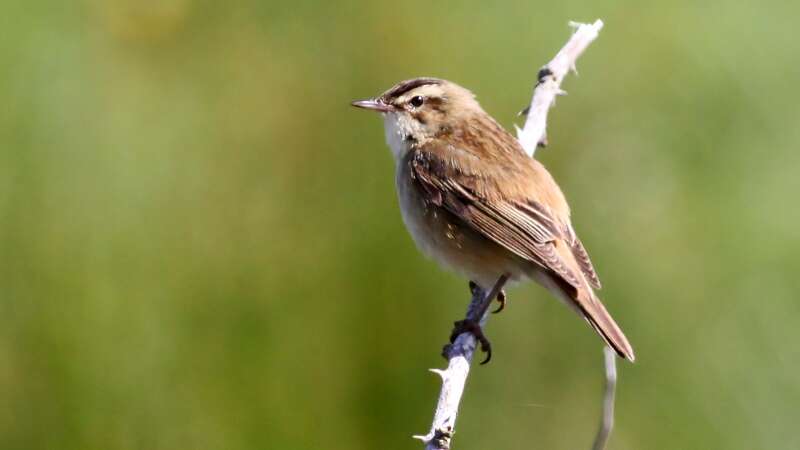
{"x": 421, "y": 109}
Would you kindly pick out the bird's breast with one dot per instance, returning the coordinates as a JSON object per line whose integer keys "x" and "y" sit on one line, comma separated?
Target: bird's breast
{"x": 443, "y": 237}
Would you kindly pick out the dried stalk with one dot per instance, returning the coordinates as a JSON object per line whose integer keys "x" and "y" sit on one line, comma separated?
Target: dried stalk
{"x": 459, "y": 354}
{"x": 607, "y": 418}
{"x": 548, "y": 86}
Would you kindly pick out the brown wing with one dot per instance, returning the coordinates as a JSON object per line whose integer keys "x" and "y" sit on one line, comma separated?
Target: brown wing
{"x": 585, "y": 263}
{"x": 525, "y": 228}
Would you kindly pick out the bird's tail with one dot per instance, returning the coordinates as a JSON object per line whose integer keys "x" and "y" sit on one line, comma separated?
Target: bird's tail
{"x": 584, "y": 302}
{"x": 598, "y": 317}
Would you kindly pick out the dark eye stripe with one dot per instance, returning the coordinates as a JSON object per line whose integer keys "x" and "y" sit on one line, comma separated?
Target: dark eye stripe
{"x": 407, "y": 85}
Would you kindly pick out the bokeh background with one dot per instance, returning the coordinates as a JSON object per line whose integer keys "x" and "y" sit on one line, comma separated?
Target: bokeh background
{"x": 200, "y": 246}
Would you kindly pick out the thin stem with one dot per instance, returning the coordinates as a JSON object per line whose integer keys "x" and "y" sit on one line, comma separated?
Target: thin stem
{"x": 454, "y": 378}
{"x": 459, "y": 354}
{"x": 607, "y": 419}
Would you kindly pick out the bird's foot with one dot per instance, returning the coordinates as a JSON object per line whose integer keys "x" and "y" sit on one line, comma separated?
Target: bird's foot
{"x": 471, "y": 326}
{"x": 501, "y": 297}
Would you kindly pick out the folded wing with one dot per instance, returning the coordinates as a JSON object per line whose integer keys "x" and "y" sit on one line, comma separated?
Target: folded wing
{"x": 525, "y": 226}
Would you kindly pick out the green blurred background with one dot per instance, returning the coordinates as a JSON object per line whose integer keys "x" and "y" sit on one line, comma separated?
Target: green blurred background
{"x": 200, "y": 246}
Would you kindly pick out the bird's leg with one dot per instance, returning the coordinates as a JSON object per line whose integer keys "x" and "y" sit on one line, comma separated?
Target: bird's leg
{"x": 501, "y": 297}
{"x": 471, "y": 324}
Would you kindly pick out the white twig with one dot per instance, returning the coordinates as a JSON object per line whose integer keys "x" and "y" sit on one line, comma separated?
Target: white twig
{"x": 534, "y": 133}
{"x": 607, "y": 419}
{"x": 453, "y": 380}
{"x": 459, "y": 354}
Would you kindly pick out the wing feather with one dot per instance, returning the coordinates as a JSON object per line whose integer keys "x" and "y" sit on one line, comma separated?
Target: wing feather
{"x": 582, "y": 256}
{"x": 527, "y": 231}
{"x": 524, "y": 224}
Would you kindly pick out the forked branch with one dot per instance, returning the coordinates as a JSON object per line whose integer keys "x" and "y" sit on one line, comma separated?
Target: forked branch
{"x": 459, "y": 354}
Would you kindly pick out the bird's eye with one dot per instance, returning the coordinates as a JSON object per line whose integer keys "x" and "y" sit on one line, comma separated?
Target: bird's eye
{"x": 416, "y": 101}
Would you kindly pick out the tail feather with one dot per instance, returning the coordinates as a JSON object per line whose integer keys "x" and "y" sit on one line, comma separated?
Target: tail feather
{"x": 584, "y": 302}
{"x": 598, "y": 317}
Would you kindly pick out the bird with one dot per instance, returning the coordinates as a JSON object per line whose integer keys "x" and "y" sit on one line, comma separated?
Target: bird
{"x": 476, "y": 203}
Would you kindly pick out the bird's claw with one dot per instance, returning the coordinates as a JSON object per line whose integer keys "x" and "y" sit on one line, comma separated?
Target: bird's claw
{"x": 501, "y": 297}
{"x": 472, "y": 327}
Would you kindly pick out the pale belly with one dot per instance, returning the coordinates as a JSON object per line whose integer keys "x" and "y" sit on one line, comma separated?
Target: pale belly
{"x": 446, "y": 239}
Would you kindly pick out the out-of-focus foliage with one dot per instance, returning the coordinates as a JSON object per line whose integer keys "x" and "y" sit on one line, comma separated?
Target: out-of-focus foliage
{"x": 200, "y": 245}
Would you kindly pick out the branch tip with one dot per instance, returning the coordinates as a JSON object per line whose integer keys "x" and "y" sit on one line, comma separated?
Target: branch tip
{"x": 549, "y": 79}
{"x": 531, "y": 136}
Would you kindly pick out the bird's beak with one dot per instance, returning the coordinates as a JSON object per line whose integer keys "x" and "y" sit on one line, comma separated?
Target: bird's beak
{"x": 372, "y": 104}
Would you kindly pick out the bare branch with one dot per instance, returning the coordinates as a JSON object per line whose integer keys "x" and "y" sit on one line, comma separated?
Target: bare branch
{"x": 607, "y": 419}
{"x": 459, "y": 353}
{"x": 548, "y": 85}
